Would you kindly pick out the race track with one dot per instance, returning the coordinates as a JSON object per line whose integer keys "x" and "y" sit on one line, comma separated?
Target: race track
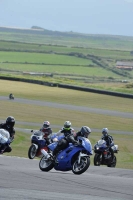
{"x": 21, "y": 179}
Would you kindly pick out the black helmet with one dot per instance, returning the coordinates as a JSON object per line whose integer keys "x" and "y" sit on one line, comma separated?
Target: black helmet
{"x": 10, "y": 121}
{"x": 46, "y": 124}
{"x": 85, "y": 131}
{"x": 105, "y": 132}
{"x": 67, "y": 125}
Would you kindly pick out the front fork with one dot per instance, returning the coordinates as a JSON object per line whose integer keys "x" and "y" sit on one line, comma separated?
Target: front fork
{"x": 81, "y": 155}
{"x": 36, "y": 146}
{"x": 45, "y": 153}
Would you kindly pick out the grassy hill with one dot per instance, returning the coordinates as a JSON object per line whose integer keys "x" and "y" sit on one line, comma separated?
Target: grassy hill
{"x": 68, "y": 57}
{"x": 44, "y": 36}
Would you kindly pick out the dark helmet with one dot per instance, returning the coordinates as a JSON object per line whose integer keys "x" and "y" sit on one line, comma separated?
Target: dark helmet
{"x": 85, "y": 131}
{"x": 67, "y": 125}
{"x": 105, "y": 132}
{"x": 10, "y": 121}
{"x": 46, "y": 124}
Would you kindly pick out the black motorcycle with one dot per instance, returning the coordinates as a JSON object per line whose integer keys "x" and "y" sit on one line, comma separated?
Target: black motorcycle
{"x": 103, "y": 155}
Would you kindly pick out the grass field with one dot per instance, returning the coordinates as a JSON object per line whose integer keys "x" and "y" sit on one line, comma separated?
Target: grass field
{"x": 88, "y": 67}
{"x": 23, "y": 57}
{"x": 101, "y": 52}
{"x": 61, "y": 69}
{"x": 37, "y": 114}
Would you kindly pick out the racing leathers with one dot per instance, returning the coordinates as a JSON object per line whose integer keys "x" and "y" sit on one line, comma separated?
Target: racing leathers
{"x": 109, "y": 143}
{"x": 47, "y": 133}
{"x": 64, "y": 142}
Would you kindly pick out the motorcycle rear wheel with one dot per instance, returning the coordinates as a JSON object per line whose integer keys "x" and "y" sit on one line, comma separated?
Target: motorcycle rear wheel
{"x": 113, "y": 164}
{"x": 82, "y": 166}
{"x": 45, "y": 165}
{"x": 32, "y": 152}
{"x": 97, "y": 159}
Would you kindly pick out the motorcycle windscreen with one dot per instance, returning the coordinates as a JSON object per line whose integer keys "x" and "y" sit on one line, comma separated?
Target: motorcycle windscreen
{"x": 86, "y": 144}
{"x": 102, "y": 143}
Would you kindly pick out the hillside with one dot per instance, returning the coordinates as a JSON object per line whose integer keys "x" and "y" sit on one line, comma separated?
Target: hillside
{"x": 70, "y": 58}
{"x": 45, "y": 36}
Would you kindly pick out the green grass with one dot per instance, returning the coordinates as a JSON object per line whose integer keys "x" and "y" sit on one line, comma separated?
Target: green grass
{"x": 61, "y": 69}
{"x": 94, "y": 120}
{"x": 104, "y": 53}
{"x": 41, "y": 58}
{"x": 99, "y": 83}
{"x": 66, "y": 96}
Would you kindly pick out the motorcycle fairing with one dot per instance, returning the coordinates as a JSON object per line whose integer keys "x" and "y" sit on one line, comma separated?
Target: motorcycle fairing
{"x": 64, "y": 158}
{"x": 86, "y": 144}
{"x": 40, "y": 142}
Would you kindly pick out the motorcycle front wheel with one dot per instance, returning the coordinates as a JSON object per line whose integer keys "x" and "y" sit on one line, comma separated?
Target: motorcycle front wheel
{"x": 113, "y": 163}
{"x": 45, "y": 164}
{"x": 32, "y": 152}
{"x": 97, "y": 159}
{"x": 79, "y": 168}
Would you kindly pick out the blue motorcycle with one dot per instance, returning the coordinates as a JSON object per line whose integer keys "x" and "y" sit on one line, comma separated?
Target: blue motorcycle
{"x": 74, "y": 158}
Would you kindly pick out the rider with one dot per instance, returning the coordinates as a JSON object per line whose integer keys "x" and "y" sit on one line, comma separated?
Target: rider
{"x": 109, "y": 141}
{"x": 47, "y": 131}
{"x": 10, "y": 95}
{"x": 9, "y": 126}
{"x": 68, "y": 133}
{"x": 84, "y": 132}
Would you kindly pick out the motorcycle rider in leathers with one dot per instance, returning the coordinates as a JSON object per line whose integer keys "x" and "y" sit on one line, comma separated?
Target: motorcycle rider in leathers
{"x": 109, "y": 141}
{"x": 68, "y": 133}
{"x": 47, "y": 131}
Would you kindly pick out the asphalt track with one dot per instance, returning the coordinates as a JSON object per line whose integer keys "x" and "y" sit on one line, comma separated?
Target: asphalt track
{"x": 21, "y": 178}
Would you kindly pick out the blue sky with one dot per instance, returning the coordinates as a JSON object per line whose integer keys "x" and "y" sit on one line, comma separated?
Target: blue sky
{"x": 113, "y": 17}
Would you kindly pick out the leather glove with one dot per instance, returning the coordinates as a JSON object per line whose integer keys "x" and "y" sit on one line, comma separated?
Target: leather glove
{"x": 76, "y": 144}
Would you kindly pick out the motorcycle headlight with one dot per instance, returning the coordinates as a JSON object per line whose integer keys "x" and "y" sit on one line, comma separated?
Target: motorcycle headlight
{"x": 97, "y": 148}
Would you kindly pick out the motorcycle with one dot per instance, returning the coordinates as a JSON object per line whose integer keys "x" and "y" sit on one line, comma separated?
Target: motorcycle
{"x": 103, "y": 155}
{"x": 4, "y": 140}
{"x": 38, "y": 144}
{"x": 11, "y": 96}
{"x": 74, "y": 158}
